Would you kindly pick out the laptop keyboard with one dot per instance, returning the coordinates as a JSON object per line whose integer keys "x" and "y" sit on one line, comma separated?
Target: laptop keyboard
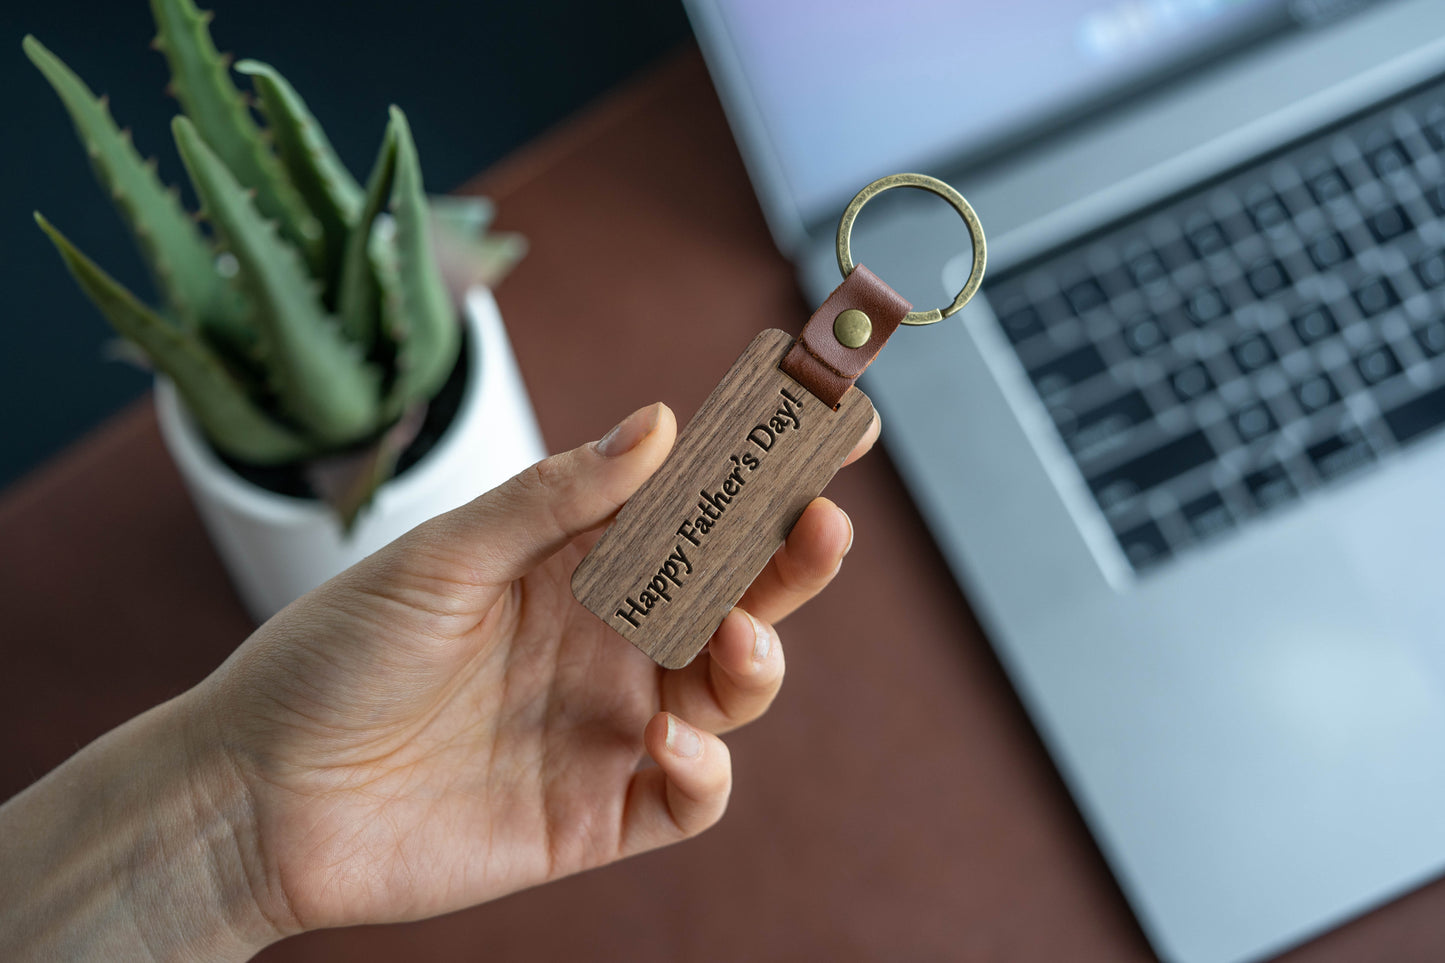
{"x": 1243, "y": 346}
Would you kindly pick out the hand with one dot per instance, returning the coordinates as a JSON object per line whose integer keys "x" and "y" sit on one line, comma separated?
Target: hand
{"x": 443, "y": 724}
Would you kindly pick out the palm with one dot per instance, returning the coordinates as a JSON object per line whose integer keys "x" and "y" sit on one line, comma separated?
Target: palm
{"x": 512, "y": 771}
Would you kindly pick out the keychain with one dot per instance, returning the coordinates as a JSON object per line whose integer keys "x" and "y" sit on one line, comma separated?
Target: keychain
{"x": 775, "y": 430}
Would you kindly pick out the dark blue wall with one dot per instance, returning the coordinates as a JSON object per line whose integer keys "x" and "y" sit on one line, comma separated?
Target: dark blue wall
{"x": 476, "y": 81}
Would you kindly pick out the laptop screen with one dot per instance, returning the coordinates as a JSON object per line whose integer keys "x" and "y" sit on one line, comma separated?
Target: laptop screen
{"x": 849, "y": 89}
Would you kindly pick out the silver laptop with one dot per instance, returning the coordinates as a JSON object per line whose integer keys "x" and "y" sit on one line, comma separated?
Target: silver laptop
{"x": 1185, "y": 453}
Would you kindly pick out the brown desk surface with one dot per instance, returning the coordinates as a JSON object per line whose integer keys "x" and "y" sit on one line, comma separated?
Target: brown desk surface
{"x": 895, "y": 804}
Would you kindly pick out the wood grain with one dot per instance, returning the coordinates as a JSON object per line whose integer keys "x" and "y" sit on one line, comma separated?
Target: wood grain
{"x": 684, "y": 548}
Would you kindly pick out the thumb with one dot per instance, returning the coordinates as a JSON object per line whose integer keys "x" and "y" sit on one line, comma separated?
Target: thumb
{"x": 513, "y": 528}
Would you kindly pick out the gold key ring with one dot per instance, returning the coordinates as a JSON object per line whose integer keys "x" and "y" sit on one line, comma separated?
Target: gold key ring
{"x": 923, "y": 182}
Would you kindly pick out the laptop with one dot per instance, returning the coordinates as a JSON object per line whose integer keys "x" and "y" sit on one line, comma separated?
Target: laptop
{"x": 1184, "y": 453}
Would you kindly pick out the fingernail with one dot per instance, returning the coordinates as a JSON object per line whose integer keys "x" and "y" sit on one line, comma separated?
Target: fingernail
{"x": 849, "y": 547}
{"x": 628, "y": 432}
{"x": 681, "y": 739}
{"x": 762, "y": 639}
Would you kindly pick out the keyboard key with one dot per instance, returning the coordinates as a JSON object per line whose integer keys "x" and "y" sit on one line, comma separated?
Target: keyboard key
{"x": 1328, "y": 251}
{"x": 1115, "y": 281}
{"x": 1176, "y": 253}
{"x": 1204, "y": 235}
{"x": 1314, "y": 323}
{"x": 1085, "y": 295}
{"x": 1340, "y": 454}
{"x": 1376, "y": 295}
{"x": 1144, "y": 265}
{"x": 1265, "y": 208}
{"x": 1108, "y": 421}
{"x": 1270, "y": 486}
{"x": 1204, "y": 305}
{"x": 1152, "y": 469}
{"x": 1416, "y": 417}
{"x": 1328, "y": 184}
{"x": 1436, "y": 196}
{"x": 1376, "y": 364}
{"x": 1431, "y": 338}
{"x": 1430, "y": 269}
{"x": 1191, "y": 381}
{"x": 1389, "y": 223}
{"x": 1267, "y": 278}
{"x": 1388, "y": 159}
{"x": 1063, "y": 373}
{"x": 1053, "y": 309}
{"x": 1252, "y": 353}
{"x": 1144, "y": 545}
{"x": 1315, "y": 394}
{"x": 1433, "y": 125}
{"x": 1143, "y": 334}
{"x": 1021, "y": 324}
{"x": 1207, "y": 516}
{"x": 1252, "y": 423}
{"x": 1238, "y": 227}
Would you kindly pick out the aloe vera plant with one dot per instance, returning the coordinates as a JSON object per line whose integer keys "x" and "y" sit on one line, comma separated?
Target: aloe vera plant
{"x": 304, "y": 318}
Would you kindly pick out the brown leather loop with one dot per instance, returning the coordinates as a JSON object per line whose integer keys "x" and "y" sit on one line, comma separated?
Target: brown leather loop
{"x": 828, "y": 369}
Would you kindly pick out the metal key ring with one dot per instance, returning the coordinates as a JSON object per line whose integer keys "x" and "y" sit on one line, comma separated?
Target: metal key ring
{"x": 923, "y": 182}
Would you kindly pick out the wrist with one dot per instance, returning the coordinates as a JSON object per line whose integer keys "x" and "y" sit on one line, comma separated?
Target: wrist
{"x": 215, "y": 807}
{"x": 136, "y": 847}
{"x": 223, "y": 810}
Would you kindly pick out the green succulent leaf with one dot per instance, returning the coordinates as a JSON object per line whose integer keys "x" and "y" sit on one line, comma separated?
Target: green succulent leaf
{"x": 430, "y": 339}
{"x": 497, "y": 254}
{"x": 234, "y": 424}
{"x": 322, "y": 381}
{"x": 202, "y": 83}
{"x": 386, "y": 264}
{"x": 328, "y": 188}
{"x": 467, "y": 261}
{"x": 467, "y": 253}
{"x": 357, "y": 300}
{"x": 468, "y": 215}
{"x": 180, "y": 259}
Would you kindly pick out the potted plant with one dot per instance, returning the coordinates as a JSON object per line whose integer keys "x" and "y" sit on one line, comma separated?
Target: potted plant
{"x": 314, "y": 385}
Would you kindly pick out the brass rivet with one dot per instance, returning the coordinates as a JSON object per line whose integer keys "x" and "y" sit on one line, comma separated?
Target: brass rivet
{"x": 852, "y": 328}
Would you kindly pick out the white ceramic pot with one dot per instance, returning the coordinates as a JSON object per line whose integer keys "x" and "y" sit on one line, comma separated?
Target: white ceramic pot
{"x": 277, "y": 548}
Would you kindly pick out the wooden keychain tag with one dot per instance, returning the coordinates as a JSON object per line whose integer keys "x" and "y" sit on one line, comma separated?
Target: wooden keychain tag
{"x": 764, "y": 444}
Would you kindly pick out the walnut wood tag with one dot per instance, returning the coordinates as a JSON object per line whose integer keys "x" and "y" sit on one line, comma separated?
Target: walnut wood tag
{"x": 684, "y": 548}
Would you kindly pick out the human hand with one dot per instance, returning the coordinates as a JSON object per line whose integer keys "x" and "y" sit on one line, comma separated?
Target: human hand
{"x": 443, "y": 724}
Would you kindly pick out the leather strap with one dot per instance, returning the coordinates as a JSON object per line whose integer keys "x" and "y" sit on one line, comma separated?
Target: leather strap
{"x": 828, "y": 369}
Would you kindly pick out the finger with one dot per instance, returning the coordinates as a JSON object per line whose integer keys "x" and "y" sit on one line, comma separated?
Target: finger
{"x": 803, "y": 565}
{"x": 508, "y": 531}
{"x": 685, "y": 794}
{"x": 733, "y": 681}
{"x": 865, "y": 444}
